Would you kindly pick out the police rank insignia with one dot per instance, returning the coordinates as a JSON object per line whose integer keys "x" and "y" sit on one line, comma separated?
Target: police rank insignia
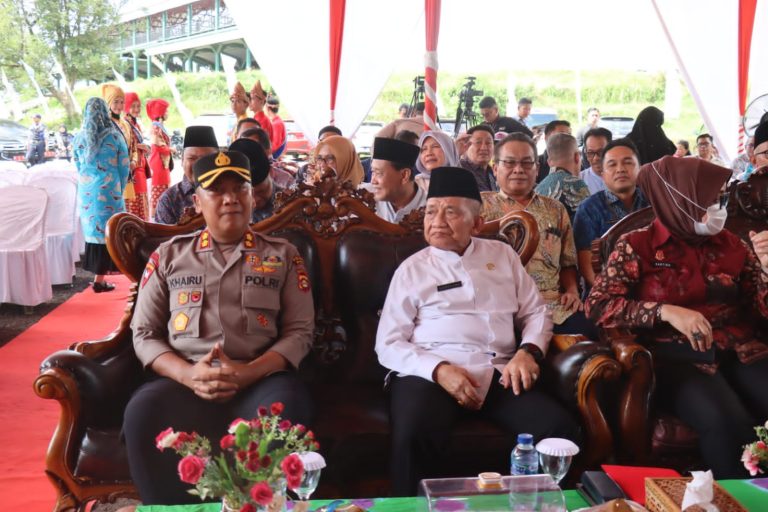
{"x": 183, "y": 298}
{"x": 248, "y": 241}
{"x": 205, "y": 240}
{"x": 196, "y": 295}
{"x": 262, "y": 320}
{"x": 301, "y": 274}
{"x": 180, "y": 322}
{"x": 150, "y": 268}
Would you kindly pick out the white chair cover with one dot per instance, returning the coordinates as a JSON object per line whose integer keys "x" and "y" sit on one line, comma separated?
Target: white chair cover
{"x": 12, "y": 165}
{"x": 24, "y": 277}
{"x": 14, "y": 176}
{"x": 60, "y": 222}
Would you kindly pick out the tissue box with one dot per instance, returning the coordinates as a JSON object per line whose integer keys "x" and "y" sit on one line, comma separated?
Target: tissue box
{"x": 666, "y": 495}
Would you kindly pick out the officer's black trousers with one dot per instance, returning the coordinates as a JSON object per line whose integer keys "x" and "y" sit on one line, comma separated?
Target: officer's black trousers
{"x": 723, "y": 408}
{"x": 163, "y": 403}
{"x": 422, "y": 415}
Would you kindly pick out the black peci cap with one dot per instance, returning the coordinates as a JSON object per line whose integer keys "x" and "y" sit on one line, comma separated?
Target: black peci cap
{"x": 453, "y": 182}
{"x": 200, "y": 137}
{"x": 260, "y": 163}
{"x": 394, "y": 150}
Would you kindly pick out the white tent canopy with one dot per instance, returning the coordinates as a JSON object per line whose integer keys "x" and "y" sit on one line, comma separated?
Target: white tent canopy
{"x": 699, "y": 36}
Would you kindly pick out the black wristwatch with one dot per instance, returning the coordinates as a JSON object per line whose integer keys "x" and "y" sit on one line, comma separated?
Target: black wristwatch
{"x": 534, "y": 350}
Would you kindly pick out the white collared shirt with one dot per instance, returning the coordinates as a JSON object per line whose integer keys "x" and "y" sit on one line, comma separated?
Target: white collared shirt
{"x": 594, "y": 182}
{"x": 385, "y": 210}
{"x": 461, "y": 309}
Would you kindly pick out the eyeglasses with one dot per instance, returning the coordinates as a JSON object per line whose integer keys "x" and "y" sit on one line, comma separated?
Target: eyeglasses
{"x": 325, "y": 159}
{"x": 704, "y": 144}
{"x": 527, "y": 165}
{"x": 594, "y": 154}
{"x": 761, "y": 153}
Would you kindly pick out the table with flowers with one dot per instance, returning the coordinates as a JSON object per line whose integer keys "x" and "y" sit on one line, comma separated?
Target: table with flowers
{"x": 754, "y": 497}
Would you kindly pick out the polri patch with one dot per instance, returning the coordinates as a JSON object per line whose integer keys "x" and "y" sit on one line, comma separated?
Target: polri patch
{"x": 196, "y": 295}
{"x": 183, "y": 298}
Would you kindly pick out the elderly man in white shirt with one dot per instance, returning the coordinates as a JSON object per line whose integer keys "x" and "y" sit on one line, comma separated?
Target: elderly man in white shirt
{"x": 447, "y": 333}
{"x": 392, "y": 179}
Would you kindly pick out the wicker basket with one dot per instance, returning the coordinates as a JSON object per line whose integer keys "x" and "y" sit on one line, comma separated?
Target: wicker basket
{"x": 666, "y": 495}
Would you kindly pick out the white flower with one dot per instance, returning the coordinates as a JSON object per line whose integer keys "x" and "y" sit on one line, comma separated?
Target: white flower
{"x": 168, "y": 441}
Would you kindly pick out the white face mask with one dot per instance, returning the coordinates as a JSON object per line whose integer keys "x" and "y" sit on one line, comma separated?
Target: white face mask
{"x": 716, "y": 217}
{"x": 716, "y": 214}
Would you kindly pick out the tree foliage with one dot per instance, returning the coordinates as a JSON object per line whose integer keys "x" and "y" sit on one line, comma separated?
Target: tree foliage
{"x": 75, "y": 33}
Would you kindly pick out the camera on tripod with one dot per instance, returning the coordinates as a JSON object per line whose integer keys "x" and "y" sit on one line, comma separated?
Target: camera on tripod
{"x": 465, "y": 116}
{"x": 417, "y": 97}
{"x": 468, "y": 93}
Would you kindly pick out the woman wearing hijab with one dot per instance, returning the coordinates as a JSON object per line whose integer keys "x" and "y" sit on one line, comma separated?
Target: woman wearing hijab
{"x": 139, "y": 205}
{"x": 650, "y": 139}
{"x": 160, "y": 156}
{"x": 103, "y": 165}
{"x": 437, "y": 150}
{"x": 692, "y": 291}
{"x": 338, "y": 153}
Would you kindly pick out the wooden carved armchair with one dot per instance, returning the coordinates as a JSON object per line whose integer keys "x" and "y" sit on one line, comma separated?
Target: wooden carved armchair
{"x": 646, "y": 435}
{"x": 351, "y": 255}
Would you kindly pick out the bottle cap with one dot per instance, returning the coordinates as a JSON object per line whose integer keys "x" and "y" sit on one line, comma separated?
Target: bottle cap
{"x": 524, "y": 439}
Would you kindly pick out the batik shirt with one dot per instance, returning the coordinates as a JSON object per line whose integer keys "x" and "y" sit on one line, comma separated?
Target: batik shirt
{"x": 720, "y": 278}
{"x": 566, "y": 188}
{"x": 556, "y": 249}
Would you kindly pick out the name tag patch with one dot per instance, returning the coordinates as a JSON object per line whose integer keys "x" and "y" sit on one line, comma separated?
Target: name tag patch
{"x": 663, "y": 264}
{"x": 449, "y": 286}
{"x": 184, "y": 282}
{"x": 263, "y": 281}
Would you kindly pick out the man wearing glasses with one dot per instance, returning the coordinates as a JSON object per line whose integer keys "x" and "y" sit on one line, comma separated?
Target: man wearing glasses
{"x": 595, "y": 141}
{"x": 706, "y": 150}
{"x": 478, "y": 157}
{"x": 553, "y": 265}
{"x": 760, "y": 154}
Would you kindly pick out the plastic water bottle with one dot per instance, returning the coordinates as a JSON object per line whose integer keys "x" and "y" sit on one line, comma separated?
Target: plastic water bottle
{"x": 524, "y": 458}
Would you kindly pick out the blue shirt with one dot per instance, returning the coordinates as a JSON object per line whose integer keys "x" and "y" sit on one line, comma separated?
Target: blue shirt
{"x": 172, "y": 203}
{"x": 598, "y": 213}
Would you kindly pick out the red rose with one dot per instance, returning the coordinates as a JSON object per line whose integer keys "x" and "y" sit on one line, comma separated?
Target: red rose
{"x": 284, "y": 425}
{"x": 248, "y": 508}
{"x": 300, "y": 429}
{"x": 262, "y": 411}
{"x": 233, "y": 426}
{"x": 183, "y": 438}
{"x": 261, "y": 493}
{"x": 293, "y": 468}
{"x": 242, "y": 455}
{"x": 256, "y": 423}
{"x": 253, "y": 462}
{"x": 277, "y": 408}
{"x": 310, "y": 434}
{"x": 165, "y": 439}
{"x": 227, "y": 442}
{"x": 293, "y": 482}
{"x": 191, "y": 469}
{"x": 266, "y": 461}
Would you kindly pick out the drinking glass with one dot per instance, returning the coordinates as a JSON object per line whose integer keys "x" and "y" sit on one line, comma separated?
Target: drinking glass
{"x": 308, "y": 484}
{"x": 556, "y": 465}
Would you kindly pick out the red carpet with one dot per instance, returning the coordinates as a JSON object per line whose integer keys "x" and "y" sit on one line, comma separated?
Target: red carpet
{"x": 27, "y": 421}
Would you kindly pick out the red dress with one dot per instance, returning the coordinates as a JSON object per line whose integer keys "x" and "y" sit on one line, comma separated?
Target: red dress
{"x": 159, "y": 163}
{"x": 138, "y": 206}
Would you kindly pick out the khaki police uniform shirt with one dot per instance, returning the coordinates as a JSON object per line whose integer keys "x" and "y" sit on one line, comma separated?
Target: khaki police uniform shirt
{"x": 191, "y": 297}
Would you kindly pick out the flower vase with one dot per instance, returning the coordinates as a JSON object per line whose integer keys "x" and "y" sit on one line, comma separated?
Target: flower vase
{"x": 225, "y": 506}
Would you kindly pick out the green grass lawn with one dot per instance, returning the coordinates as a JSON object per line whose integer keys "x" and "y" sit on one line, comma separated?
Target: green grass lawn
{"x": 616, "y": 93}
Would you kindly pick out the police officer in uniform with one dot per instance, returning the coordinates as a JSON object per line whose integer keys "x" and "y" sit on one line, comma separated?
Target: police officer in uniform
{"x": 447, "y": 332}
{"x": 223, "y": 318}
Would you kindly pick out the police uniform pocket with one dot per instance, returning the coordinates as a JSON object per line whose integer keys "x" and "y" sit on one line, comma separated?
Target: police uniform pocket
{"x": 261, "y": 307}
{"x": 186, "y": 309}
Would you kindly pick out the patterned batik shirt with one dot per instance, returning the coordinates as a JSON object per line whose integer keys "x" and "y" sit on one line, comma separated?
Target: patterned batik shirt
{"x": 563, "y": 186}
{"x": 556, "y": 249}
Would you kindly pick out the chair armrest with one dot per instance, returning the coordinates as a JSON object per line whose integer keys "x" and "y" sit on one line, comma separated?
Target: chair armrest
{"x": 576, "y": 376}
{"x": 97, "y": 391}
{"x": 635, "y": 396}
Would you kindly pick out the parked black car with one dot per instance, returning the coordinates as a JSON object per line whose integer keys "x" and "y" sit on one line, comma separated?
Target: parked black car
{"x": 13, "y": 142}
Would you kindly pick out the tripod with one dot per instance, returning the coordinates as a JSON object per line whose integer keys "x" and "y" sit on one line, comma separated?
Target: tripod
{"x": 464, "y": 117}
{"x": 418, "y": 95}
